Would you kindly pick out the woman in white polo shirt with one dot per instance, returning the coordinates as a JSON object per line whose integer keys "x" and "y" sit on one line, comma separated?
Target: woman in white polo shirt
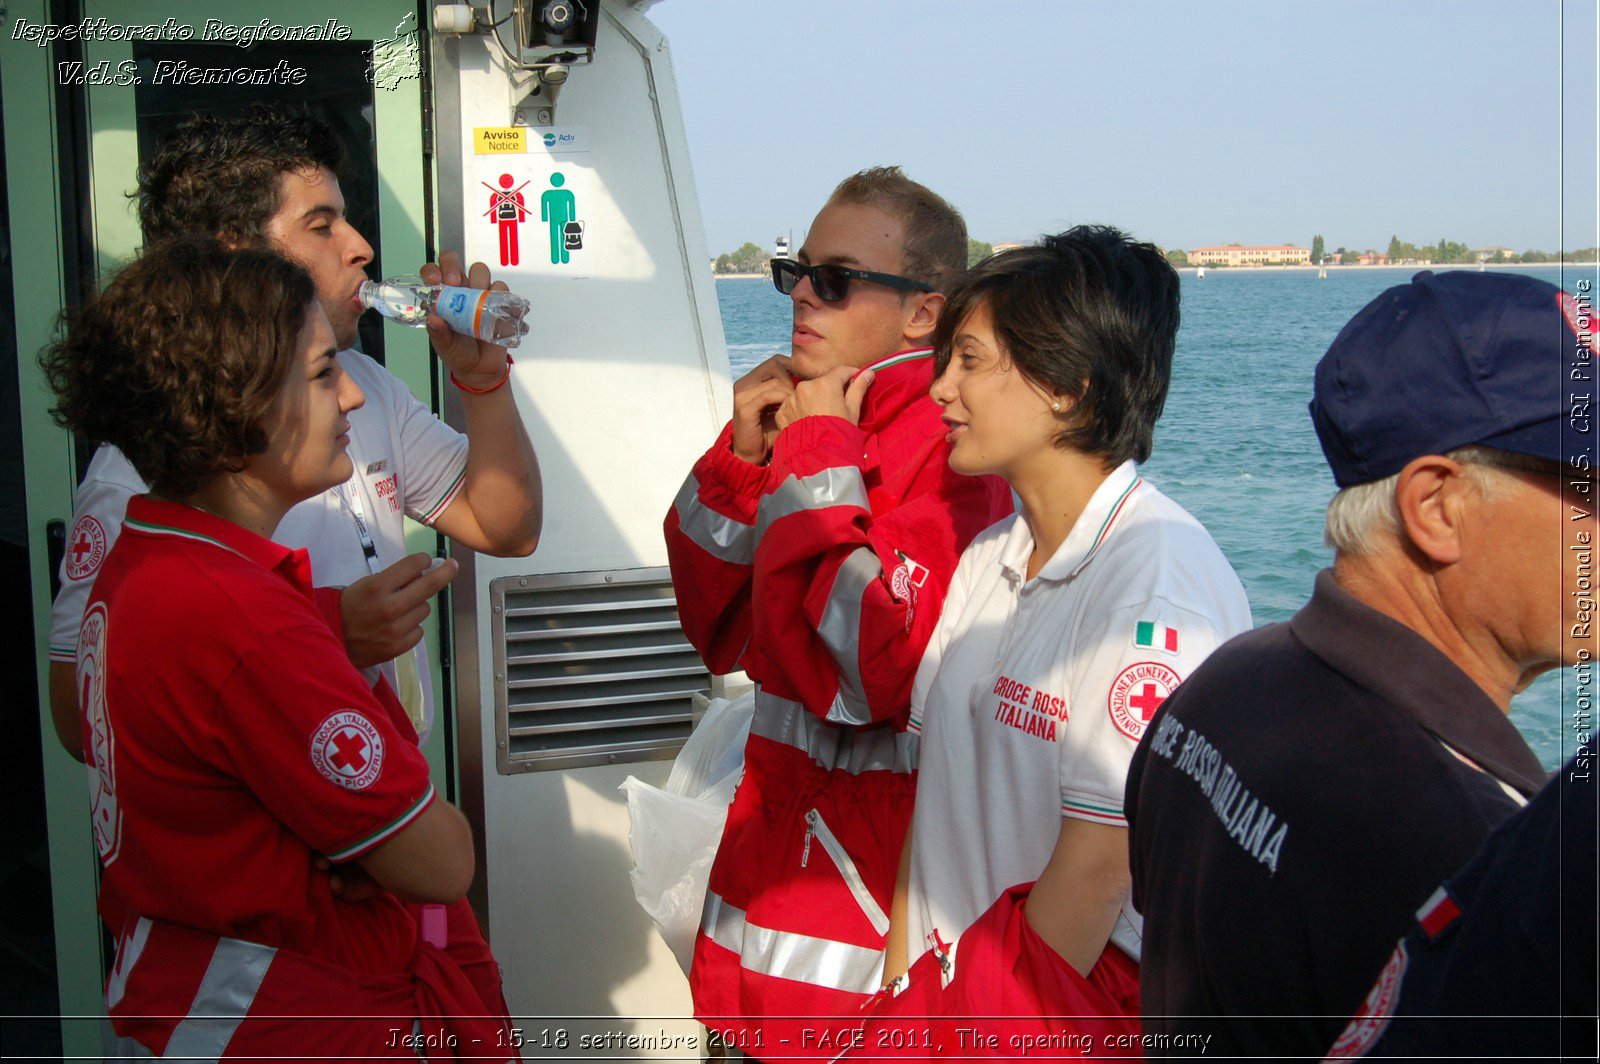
{"x": 1066, "y": 625}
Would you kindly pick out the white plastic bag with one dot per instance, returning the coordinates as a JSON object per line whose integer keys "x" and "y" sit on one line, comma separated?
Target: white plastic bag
{"x": 674, "y": 832}
{"x": 711, "y": 763}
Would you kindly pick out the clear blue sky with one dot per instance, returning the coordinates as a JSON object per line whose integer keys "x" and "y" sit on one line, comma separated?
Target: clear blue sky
{"x": 1187, "y": 123}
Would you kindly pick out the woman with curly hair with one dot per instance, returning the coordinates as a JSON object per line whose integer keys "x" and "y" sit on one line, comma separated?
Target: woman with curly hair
{"x": 234, "y": 753}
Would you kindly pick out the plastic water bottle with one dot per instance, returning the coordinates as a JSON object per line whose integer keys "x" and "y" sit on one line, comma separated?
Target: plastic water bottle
{"x": 499, "y": 317}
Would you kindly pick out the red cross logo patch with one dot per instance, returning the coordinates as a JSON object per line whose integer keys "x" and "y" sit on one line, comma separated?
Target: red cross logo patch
{"x": 347, "y": 750}
{"x": 907, "y": 577}
{"x": 86, "y": 548}
{"x": 100, "y": 740}
{"x": 1137, "y": 693}
{"x": 1376, "y": 1011}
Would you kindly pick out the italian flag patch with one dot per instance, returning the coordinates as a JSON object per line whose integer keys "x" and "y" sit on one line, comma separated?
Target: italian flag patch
{"x": 1155, "y": 635}
{"x": 1437, "y": 913}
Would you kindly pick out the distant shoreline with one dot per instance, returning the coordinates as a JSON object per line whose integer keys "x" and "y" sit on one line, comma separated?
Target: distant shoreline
{"x": 1391, "y": 266}
{"x": 1302, "y": 269}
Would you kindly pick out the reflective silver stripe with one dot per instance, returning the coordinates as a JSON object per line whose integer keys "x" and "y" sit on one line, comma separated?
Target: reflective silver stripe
{"x": 850, "y": 750}
{"x": 909, "y": 747}
{"x": 127, "y": 1049}
{"x": 225, "y": 995}
{"x": 128, "y": 952}
{"x": 837, "y": 486}
{"x": 721, "y": 537}
{"x": 786, "y": 955}
{"x": 841, "y": 632}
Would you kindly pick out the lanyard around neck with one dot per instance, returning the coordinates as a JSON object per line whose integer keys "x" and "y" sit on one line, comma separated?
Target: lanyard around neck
{"x": 350, "y": 500}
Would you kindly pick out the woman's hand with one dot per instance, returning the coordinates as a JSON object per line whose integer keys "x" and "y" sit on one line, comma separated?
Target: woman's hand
{"x": 349, "y": 882}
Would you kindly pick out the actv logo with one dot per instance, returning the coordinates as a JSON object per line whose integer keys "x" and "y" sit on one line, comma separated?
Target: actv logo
{"x": 552, "y": 139}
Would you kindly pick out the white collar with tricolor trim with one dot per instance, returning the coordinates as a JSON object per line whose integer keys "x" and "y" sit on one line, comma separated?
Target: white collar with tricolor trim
{"x": 908, "y": 355}
{"x": 1094, "y": 526}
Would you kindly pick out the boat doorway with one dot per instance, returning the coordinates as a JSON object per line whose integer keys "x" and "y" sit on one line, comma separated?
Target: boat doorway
{"x": 27, "y": 930}
{"x": 76, "y": 140}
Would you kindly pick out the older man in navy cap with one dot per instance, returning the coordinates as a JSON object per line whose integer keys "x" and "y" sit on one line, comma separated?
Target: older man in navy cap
{"x": 1304, "y": 792}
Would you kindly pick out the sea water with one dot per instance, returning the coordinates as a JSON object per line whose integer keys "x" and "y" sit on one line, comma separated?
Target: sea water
{"x": 1235, "y": 446}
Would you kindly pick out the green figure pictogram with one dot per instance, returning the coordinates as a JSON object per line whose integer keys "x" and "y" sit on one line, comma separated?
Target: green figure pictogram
{"x": 558, "y": 206}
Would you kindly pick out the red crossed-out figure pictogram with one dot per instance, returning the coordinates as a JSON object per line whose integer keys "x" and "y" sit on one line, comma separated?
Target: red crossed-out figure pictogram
{"x": 352, "y": 755}
{"x": 508, "y": 211}
{"x": 1147, "y": 702}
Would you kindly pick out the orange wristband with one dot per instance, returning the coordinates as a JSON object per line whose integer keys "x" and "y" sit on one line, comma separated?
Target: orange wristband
{"x": 496, "y": 386}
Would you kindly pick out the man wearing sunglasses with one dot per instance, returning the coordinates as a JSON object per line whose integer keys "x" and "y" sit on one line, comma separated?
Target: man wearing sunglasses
{"x": 811, "y": 546}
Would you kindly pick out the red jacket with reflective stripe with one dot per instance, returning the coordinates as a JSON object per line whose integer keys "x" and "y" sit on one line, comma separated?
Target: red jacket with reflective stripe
{"x": 192, "y": 994}
{"x": 822, "y": 575}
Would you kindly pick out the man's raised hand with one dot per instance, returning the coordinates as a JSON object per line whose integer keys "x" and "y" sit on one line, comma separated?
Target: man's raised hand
{"x": 477, "y": 364}
{"x": 756, "y": 398}
{"x": 837, "y": 393}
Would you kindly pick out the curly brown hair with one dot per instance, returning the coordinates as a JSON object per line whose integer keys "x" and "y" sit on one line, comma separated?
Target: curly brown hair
{"x": 219, "y": 174}
{"x": 180, "y": 359}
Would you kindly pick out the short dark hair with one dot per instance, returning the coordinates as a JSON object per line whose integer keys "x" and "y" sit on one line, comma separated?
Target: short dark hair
{"x": 180, "y": 359}
{"x": 218, "y": 175}
{"x": 1089, "y": 313}
{"x": 936, "y": 234}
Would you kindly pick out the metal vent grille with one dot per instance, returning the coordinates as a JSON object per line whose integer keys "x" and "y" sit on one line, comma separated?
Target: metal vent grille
{"x": 590, "y": 669}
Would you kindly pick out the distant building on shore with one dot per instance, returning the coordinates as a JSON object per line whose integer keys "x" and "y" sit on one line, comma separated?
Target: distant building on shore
{"x": 1251, "y": 255}
{"x": 1372, "y": 258}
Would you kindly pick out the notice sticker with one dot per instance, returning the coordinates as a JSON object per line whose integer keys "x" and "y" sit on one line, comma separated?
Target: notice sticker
{"x": 499, "y": 140}
{"x": 542, "y": 213}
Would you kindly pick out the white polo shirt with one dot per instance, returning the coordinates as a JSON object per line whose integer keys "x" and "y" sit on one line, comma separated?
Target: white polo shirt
{"x": 407, "y": 462}
{"x": 1032, "y": 694}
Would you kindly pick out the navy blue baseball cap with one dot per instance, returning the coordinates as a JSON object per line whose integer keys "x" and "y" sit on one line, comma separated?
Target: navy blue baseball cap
{"x": 1448, "y": 360}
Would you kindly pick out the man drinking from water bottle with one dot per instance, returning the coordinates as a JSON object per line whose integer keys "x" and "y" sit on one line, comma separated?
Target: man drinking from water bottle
{"x": 270, "y": 177}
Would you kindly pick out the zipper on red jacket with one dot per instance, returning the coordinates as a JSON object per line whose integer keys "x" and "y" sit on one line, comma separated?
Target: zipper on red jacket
{"x": 817, "y": 828}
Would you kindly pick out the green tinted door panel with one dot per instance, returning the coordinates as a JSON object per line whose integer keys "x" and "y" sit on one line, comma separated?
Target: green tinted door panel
{"x": 366, "y": 80}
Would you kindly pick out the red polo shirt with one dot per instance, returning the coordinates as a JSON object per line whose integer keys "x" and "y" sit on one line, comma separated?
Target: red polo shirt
{"x": 230, "y": 742}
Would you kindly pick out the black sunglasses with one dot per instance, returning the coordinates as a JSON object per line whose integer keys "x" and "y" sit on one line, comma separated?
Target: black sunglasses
{"x": 832, "y": 283}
